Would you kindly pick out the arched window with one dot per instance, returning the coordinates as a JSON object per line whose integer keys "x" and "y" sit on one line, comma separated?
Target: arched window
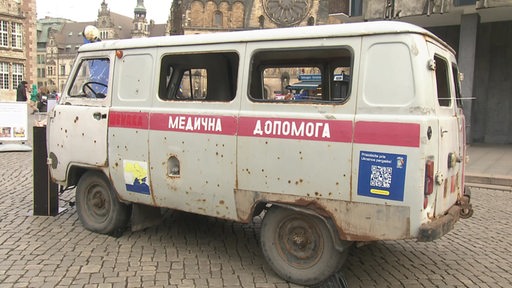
{"x": 261, "y": 20}
{"x": 217, "y": 19}
{"x": 311, "y": 21}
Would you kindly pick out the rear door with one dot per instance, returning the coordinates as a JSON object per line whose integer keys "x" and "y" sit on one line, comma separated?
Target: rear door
{"x": 450, "y": 166}
{"x": 388, "y": 153}
{"x": 77, "y": 128}
{"x": 461, "y": 120}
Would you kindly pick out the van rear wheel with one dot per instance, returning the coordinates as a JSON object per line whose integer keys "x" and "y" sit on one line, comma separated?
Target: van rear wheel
{"x": 299, "y": 246}
{"x": 97, "y": 206}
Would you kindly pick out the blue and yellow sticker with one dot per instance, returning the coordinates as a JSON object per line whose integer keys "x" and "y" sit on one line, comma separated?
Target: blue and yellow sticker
{"x": 136, "y": 176}
{"x": 382, "y": 175}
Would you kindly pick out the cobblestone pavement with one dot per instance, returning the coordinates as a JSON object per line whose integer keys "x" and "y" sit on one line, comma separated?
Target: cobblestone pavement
{"x": 196, "y": 251}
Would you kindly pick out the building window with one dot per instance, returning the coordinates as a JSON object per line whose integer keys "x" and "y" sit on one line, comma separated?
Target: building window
{"x": 4, "y": 34}
{"x": 40, "y": 59}
{"x": 261, "y": 21}
{"x": 217, "y": 19}
{"x": 17, "y": 74}
{"x": 41, "y": 72}
{"x": 463, "y": 2}
{"x": 4, "y": 75}
{"x": 17, "y": 35}
{"x": 356, "y": 8}
{"x": 104, "y": 35}
{"x": 62, "y": 70}
{"x": 51, "y": 71}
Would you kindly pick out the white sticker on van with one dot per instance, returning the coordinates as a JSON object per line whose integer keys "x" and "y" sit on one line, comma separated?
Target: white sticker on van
{"x": 136, "y": 176}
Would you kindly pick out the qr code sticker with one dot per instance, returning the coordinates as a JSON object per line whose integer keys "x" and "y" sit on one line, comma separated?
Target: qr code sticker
{"x": 381, "y": 176}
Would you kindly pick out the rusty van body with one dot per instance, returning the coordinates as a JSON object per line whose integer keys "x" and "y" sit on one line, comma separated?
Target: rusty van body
{"x": 334, "y": 134}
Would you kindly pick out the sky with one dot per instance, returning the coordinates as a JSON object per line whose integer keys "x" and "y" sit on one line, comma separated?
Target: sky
{"x": 87, "y": 10}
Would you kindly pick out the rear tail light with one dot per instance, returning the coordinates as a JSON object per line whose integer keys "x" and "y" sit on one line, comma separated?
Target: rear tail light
{"x": 429, "y": 177}
{"x": 429, "y": 181}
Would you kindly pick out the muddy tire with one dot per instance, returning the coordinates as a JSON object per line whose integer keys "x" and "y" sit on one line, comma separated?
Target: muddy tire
{"x": 97, "y": 206}
{"x": 299, "y": 246}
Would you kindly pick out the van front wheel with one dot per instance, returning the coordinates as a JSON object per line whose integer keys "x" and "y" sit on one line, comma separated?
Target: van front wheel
{"x": 97, "y": 206}
{"x": 299, "y": 246}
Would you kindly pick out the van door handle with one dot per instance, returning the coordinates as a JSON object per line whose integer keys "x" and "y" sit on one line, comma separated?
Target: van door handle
{"x": 99, "y": 116}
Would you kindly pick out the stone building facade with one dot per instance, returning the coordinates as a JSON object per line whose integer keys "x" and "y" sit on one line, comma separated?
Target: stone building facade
{"x": 207, "y": 16}
{"x": 59, "y": 39}
{"x": 17, "y": 45}
{"x": 479, "y": 30}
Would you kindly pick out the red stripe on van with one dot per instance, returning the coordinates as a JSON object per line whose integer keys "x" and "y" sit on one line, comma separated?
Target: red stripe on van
{"x": 203, "y": 124}
{"x": 135, "y": 120}
{"x": 301, "y": 129}
{"x": 366, "y": 132}
{"x": 387, "y": 133}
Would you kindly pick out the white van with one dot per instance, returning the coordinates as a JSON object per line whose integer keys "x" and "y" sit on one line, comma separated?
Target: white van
{"x": 334, "y": 134}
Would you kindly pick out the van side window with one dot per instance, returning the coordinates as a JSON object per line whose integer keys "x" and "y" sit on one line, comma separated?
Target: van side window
{"x": 443, "y": 82}
{"x": 199, "y": 77}
{"x": 91, "y": 79}
{"x": 301, "y": 75}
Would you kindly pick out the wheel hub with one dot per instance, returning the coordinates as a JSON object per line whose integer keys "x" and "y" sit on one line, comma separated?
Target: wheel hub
{"x": 300, "y": 242}
{"x": 98, "y": 201}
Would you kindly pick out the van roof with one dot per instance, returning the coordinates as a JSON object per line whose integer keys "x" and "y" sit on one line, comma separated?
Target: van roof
{"x": 303, "y": 32}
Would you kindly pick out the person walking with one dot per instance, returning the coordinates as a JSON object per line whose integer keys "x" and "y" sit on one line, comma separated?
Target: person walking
{"x": 42, "y": 102}
{"x": 32, "y": 102}
{"x": 21, "y": 91}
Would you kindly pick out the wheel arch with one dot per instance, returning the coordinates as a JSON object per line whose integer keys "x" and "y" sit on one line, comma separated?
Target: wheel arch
{"x": 250, "y": 204}
{"x": 75, "y": 173}
{"x": 339, "y": 244}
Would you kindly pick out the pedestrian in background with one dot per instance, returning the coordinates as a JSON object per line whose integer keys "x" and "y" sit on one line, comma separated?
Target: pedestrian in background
{"x": 43, "y": 98}
{"x": 21, "y": 91}
{"x": 32, "y": 102}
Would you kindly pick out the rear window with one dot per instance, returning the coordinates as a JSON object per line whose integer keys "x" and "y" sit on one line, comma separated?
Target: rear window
{"x": 457, "y": 78}
{"x": 443, "y": 81}
{"x": 301, "y": 75}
